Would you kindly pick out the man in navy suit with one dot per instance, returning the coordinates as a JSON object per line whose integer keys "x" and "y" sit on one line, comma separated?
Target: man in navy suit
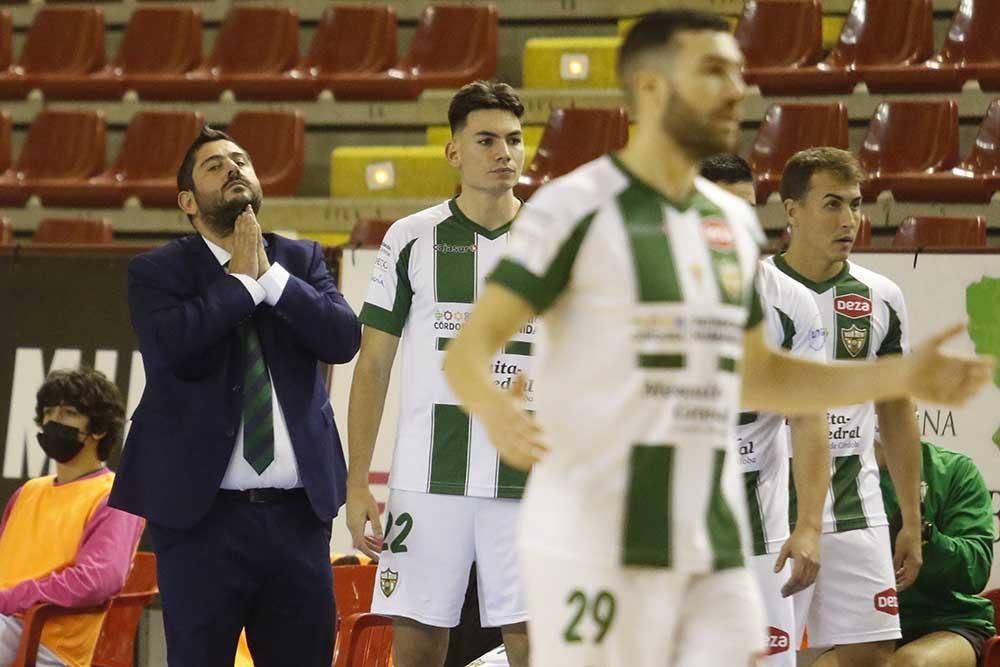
{"x": 233, "y": 456}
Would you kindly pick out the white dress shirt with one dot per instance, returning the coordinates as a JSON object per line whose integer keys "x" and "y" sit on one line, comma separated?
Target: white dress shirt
{"x": 283, "y": 472}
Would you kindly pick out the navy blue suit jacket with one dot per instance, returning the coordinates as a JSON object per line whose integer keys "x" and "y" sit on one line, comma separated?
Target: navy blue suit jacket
{"x": 185, "y": 311}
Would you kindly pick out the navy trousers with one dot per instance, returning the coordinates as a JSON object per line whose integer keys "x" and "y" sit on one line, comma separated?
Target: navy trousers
{"x": 263, "y": 567}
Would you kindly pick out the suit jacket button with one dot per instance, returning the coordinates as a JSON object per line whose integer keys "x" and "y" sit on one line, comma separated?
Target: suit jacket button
{"x": 231, "y": 432}
{"x": 236, "y": 388}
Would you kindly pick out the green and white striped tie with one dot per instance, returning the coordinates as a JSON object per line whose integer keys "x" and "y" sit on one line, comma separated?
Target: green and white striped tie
{"x": 258, "y": 420}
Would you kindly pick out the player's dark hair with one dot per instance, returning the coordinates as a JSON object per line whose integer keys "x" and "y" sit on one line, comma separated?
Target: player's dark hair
{"x": 800, "y": 168}
{"x": 726, "y": 168}
{"x": 655, "y": 30}
{"x": 94, "y": 396}
{"x": 482, "y": 95}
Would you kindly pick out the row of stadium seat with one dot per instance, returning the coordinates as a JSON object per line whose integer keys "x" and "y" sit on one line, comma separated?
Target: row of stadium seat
{"x": 928, "y": 169}
{"x": 886, "y": 44}
{"x": 256, "y": 54}
{"x": 913, "y": 232}
{"x": 62, "y": 160}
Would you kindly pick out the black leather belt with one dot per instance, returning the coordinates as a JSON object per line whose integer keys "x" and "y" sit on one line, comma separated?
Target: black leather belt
{"x": 262, "y": 496}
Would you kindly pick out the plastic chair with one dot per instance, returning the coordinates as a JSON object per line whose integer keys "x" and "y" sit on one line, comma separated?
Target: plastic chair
{"x": 6, "y": 231}
{"x": 436, "y": 59}
{"x": 974, "y": 180}
{"x": 353, "y": 588}
{"x": 572, "y": 137}
{"x": 365, "y": 640}
{"x": 63, "y": 46}
{"x": 275, "y": 141}
{"x": 115, "y": 645}
{"x": 62, "y": 148}
{"x": 889, "y": 152}
{"x": 368, "y": 233}
{"x": 928, "y": 232}
{"x": 255, "y": 45}
{"x": 6, "y": 39}
{"x": 160, "y": 48}
{"x": 902, "y": 40}
{"x": 347, "y": 40}
{"x": 6, "y": 131}
{"x": 146, "y": 166}
{"x": 71, "y": 230}
{"x": 776, "y": 36}
{"x": 787, "y": 129}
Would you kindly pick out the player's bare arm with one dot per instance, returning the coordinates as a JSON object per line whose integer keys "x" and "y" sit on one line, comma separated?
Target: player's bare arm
{"x": 811, "y": 466}
{"x": 778, "y": 382}
{"x": 364, "y": 414}
{"x": 498, "y": 315}
{"x": 900, "y": 439}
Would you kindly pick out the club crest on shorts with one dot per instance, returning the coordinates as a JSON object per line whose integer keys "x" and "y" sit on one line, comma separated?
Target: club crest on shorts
{"x": 387, "y": 580}
{"x": 853, "y": 338}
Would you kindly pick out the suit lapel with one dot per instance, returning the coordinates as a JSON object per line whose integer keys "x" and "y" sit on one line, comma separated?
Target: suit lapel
{"x": 204, "y": 266}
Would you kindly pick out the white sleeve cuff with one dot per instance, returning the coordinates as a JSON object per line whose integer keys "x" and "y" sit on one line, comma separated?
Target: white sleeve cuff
{"x": 273, "y": 281}
{"x": 257, "y": 292}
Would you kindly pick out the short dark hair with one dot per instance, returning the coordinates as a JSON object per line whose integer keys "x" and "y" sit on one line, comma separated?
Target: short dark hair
{"x": 185, "y": 174}
{"x": 726, "y": 168}
{"x": 655, "y": 30}
{"x": 800, "y": 168}
{"x": 482, "y": 95}
{"x": 94, "y": 396}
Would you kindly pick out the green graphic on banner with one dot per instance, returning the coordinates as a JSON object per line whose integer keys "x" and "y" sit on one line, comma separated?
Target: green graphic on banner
{"x": 981, "y": 301}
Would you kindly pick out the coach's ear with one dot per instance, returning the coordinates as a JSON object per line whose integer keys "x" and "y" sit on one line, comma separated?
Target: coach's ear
{"x": 187, "y": 202}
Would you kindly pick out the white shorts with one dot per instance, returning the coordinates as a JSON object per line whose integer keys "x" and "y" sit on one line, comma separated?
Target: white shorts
{"x": 854, "y": 598}
{"x": 588, "y": 614}
{"x": 779, "y": 611}
{"x": 423, "y": 570}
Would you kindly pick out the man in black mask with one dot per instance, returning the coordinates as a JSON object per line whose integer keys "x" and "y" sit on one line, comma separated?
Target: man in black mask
{"x": 60, "y": 543}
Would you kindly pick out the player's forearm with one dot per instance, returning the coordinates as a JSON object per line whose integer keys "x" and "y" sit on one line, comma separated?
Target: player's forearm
{"x": 777, "y": 382}
{"x": 811, "y": 467}
{"x": 364, "y": 414}
{"x": 900, "y": 439}
{"x": 466, "y": 367}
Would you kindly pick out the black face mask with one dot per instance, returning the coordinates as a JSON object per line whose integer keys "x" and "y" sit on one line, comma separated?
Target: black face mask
{"x": 59, "y": 441}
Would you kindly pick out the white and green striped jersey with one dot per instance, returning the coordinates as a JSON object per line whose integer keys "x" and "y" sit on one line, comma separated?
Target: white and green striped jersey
{"x": 644, "y": 304}
{"x": 427, "y": 276}
{"x": 791, "y": 322}
{"x": 864, "y": 315}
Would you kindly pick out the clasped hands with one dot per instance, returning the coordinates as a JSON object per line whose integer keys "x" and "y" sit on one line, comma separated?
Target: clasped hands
{"x": 248, "y": 257}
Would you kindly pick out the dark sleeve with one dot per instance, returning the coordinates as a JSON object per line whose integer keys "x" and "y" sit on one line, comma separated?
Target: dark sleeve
{"x": 320, "y": 317}
{"x": 172, "y": 327}
{"x": 961, "y": 546}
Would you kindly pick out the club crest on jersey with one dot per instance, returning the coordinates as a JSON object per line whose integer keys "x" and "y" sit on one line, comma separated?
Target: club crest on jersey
{"x": 853, "y": 339}
{"x": 853, "y": 306}
{"x": 717, "y": 234}
{"x": 387, "y": 580}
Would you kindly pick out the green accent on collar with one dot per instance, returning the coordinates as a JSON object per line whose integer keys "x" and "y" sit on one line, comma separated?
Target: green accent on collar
{"x": 819, "y": 288}
{"x": 643, "y": 185}
{"x": 464, "y": 220}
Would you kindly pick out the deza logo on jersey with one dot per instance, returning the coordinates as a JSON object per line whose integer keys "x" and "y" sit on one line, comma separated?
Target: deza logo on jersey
{"x": 853, "y": 306}
{"x": 887, "y": 602}
{"x": 718, "y": 236}
{"x": 778, "y": 641}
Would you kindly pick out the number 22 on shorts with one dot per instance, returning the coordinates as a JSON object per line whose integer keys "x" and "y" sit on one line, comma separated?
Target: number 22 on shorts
{"x": 601, "y": 610}
{"x": 403, "y": 521}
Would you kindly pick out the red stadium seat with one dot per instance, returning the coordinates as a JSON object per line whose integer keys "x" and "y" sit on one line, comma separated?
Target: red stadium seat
{"x": 895, "y": 59}
{"x": 6, "y": 128}
{"x": 368, "y": 233}
{"x": 255, "y": 45}
{"x": 62, "y": 148}
{"x": 436, "y": 59}
{"x": 6, "y": 40}
{"x": 6, "y": 231}
{"x": 572, "y": 137}
{"x": 160, "y": 48}
{"x": 116, "y": 643}
{"x": 63, "y": 45}
{"x": 353, "y": 588}
{"x": 275, "y": 141}
{"x": 70, "y": 230}
{"x": 776, "y": 36}
{"x": 972, "y": 42}
{"x": 365, "y": 640}
{"x": 890, "y": 153}
{"x": 926, "y": 232}
{"x": 787, "y": 129}
{"x": 146, "y": 166}
{"x": 348, "y": 40}
{"x": 974, "y": 180}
